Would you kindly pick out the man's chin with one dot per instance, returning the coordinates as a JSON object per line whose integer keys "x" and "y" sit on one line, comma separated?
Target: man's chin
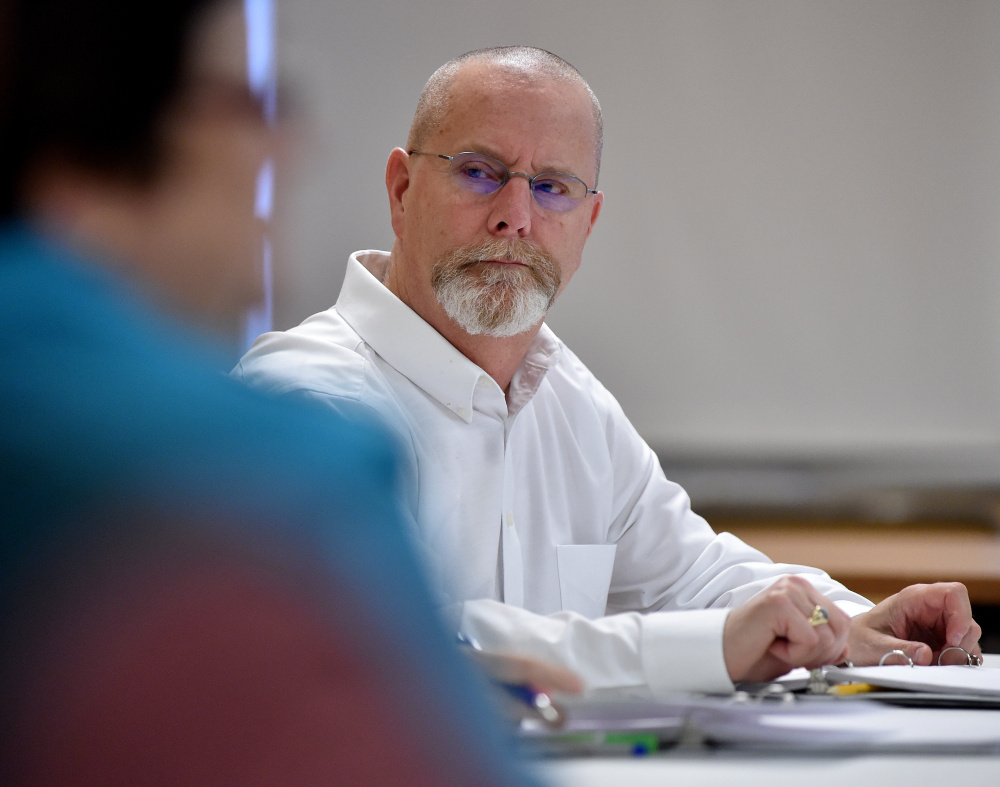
{"x": 502, "y": 322}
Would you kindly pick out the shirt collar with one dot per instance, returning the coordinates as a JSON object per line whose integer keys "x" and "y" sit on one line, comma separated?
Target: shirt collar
{"x": 541, "y": 356}
{"x": 417, "y": 351}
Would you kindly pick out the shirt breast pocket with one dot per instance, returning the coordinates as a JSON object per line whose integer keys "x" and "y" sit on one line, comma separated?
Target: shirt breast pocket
{"x": 585, "y": 577}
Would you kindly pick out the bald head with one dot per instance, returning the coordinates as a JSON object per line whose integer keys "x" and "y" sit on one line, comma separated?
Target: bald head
{"x": 512, "y": 63}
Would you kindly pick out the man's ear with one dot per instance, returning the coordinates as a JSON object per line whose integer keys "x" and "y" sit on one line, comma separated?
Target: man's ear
{"x": 595, "y": 210}
{"x": 397, "y": 181}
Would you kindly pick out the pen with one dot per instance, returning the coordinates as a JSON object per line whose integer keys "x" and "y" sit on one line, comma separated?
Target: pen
{"x": 636, "y": 744}
{"x": 851, "y": 688}
{"x": 538, "y": 701}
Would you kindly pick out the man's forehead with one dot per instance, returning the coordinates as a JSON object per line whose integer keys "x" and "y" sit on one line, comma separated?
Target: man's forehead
{"x": 488, "y": 105}
{"x": 488, "y": 82}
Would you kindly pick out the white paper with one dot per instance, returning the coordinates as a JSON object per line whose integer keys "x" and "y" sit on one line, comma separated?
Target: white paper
{"x": 855, "y": 725}
{"x": 962, "y": 680}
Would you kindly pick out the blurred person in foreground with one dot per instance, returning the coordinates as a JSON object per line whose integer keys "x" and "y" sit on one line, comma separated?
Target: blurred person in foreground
{"x": 198, "y": 584}
{"x": 551, "y": 526}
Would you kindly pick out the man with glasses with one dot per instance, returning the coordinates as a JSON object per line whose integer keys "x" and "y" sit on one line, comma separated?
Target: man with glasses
{"x": 546, "y": 519}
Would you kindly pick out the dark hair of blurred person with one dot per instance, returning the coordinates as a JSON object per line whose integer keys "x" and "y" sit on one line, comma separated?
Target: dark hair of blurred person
{"x": 143, "y": 139}
{"x": 197, "y": 584}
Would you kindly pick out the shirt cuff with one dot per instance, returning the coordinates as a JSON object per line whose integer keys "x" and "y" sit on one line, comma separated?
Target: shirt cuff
{"x": 682, "y": 651}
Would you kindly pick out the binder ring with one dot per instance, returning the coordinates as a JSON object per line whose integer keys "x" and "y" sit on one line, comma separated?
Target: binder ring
{"x": 891, "y": 653}
{"x": 974, "y": 661}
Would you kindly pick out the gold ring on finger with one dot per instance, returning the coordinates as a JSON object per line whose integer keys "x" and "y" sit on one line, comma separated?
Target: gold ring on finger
{"x": 819, "y": 616}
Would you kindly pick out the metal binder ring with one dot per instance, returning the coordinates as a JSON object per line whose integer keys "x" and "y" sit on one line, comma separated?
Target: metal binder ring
{"x": 891, "y": 653}
{"x": 974, "y": 661}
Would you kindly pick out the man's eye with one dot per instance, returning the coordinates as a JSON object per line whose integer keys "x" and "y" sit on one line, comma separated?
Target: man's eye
{"x": 477, "y": 172}
{"x": 549, "y": 186}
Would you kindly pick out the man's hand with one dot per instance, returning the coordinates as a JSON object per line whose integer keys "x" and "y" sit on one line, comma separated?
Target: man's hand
{"x": 525, "y": 671}
{"x": 771, "y": 633}
{"x": 538, "y": 676}
{"x": 920, "y": 620}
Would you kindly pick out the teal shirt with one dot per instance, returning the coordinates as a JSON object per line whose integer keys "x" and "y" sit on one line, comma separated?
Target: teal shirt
{"x": 109, "y": 407}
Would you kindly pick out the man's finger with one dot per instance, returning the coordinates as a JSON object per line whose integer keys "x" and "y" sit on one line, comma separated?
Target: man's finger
{"x": 919, "y": 653}
{"x": 811, "y": 645}
{"x": 522, "y": 670}
{"x": 957, "y": 613}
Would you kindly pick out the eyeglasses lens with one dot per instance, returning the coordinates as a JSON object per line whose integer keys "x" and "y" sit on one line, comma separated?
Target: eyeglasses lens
{"x": 485, "y": 175}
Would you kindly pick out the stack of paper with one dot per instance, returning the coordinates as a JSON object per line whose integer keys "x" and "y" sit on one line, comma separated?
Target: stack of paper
{"x": 806, "y": 722}
{"x": 970, "y": 681}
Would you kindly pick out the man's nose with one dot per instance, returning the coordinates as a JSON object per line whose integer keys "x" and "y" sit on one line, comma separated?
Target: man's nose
{"x": 512, "y": 207}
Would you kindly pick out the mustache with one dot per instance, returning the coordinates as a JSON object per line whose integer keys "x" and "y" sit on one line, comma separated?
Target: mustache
{"x": 540, "y": 264}
{"x": 513, "y": 250}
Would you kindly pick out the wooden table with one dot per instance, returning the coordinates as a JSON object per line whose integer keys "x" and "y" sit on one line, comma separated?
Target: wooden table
{"x": 878, "y": 559}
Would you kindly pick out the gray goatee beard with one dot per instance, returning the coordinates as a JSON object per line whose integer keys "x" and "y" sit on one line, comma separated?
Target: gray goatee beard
{"x": 497, "y": 300}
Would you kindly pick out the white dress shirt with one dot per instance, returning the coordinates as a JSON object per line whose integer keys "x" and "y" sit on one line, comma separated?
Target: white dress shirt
{"x": 546, "y": 520}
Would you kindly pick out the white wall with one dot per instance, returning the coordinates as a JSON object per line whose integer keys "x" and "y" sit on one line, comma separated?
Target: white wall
{"x": 800, "y": 245}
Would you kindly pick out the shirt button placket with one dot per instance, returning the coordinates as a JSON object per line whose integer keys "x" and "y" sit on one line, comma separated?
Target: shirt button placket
{"x": 513, "y": 564}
